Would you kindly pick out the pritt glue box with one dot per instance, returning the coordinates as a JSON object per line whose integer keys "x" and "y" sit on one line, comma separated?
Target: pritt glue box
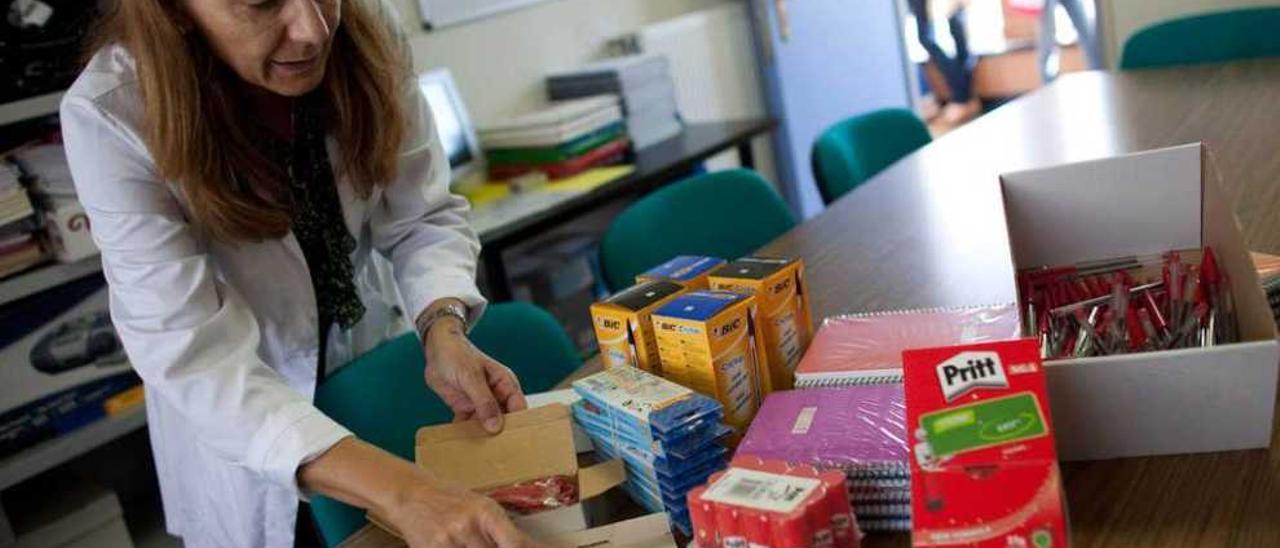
{"x": 984, "y": 471}
{"x": 708, "y": 342}
{"x": 785, "y": 323}
{"x": 687, "y": 270}
{"x": 624, "y": 328}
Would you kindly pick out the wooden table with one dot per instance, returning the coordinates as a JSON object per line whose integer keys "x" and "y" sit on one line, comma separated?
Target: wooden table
{"x": 930, "y": 231}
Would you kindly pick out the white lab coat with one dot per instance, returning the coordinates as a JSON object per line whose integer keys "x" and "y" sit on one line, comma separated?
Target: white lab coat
{"x": 225, "y": 335}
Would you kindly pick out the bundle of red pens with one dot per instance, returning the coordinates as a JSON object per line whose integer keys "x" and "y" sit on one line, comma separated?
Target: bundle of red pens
{"x": 1134, "y": 304}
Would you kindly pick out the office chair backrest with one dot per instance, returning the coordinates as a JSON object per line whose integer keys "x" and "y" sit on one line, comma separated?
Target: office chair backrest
{"x": 1207, "y": 38}
{"x": 724, "y": 214}
{"x": 856, "y": 149}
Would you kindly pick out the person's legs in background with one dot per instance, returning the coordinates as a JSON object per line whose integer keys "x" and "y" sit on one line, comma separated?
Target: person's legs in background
{"x": 1086, "y": 30}
{"x": 1047, "y": 43}
{"x": 1086, "y": 36}
{"x": 955, "y": 71}
{"x": 963, "y": 105}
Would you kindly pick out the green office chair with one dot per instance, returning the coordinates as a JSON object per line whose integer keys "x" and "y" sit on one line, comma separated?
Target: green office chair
{"x": 382, "y": 399}
{"x": 1208, "y": 38}
{"x": 723, "y": 214}
{"x": 854, "y": 150}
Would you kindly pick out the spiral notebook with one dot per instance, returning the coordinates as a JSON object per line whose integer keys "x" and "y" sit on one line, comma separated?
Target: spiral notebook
{"x": 882, "y": 511}
{"x": 867, "y": 348}
{"x": 859, "y": 430}
{"x": 884, "y": 524}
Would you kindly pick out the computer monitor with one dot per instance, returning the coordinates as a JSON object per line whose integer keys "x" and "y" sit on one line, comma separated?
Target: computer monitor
{"x": 452, "y": 123}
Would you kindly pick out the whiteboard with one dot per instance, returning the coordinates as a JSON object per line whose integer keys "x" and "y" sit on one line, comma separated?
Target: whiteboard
{"x": 440, "y": 13}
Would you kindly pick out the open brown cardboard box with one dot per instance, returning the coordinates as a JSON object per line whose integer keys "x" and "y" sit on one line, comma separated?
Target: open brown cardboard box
{"x": 1190, "y": 400}
{"x": 534, "y": 444}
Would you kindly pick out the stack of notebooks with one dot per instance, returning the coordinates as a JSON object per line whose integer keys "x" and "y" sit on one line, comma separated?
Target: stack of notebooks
{"x": 562, "y": 140}
{"x": 857, "y": 430}
{"x": 19, "y": 247}
{"x": 867, "y": 348}
{"x": 643, "y": 82}
{"x": 667, "y": 435}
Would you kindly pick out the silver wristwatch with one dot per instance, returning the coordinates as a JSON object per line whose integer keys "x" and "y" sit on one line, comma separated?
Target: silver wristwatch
{"x": 450, "y": 310}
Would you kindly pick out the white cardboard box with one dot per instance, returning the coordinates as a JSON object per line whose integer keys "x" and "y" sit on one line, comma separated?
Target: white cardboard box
{"x": 1180, "y": 401}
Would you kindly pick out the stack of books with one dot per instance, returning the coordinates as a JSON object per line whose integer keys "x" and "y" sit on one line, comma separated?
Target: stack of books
{"x": 668, "y": 436}
{"x": 857, "y": 430}
{"x": 54, "y": 193}
{"x": 562, "y": 140}
{"x": 644, "y": 85}
{"x": 19, "y": 247}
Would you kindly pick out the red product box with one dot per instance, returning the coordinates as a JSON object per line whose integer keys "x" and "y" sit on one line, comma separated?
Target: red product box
{"x": 767, "y": 504}
{"x": 703, "y": 516}
{"x": 984, "y": 471}
{"x": 835, "y": 525}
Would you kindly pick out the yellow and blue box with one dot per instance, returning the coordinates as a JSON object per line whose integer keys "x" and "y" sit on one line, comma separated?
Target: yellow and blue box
{"x": 785, "y": 321}
{"x": 624, "y": 329}
{"x": 690, "y": 271}
{"x": 708, "y": 341}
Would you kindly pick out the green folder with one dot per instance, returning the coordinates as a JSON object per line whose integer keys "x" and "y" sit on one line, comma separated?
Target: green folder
{"x": 557, "y": 154}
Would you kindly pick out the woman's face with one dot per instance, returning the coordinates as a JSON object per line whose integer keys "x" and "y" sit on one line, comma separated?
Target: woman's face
{"x": 278, "y": 45}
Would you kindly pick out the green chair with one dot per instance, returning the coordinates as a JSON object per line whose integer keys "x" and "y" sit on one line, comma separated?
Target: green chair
{"x": 382, "y": 399}
{"x": 723, "y": 214}
{"x": 854, "y": 150}
{"x": 1207, "y": 38}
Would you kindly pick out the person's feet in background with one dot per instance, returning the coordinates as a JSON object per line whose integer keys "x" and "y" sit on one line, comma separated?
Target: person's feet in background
{"x": 956, "y": 113}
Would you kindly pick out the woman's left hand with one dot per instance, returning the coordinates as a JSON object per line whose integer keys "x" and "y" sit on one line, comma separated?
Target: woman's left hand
{"x": 471, "y": 383}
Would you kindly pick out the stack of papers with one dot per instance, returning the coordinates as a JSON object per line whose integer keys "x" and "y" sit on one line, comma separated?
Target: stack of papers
{"x": 644, "y": 85}
{"x": 667, "y": 435}
{"x": 858, "y": 430}
{"x": 562, "y": 140}
{"x": 48, "y": 169}
{"x": 62, "y": 216}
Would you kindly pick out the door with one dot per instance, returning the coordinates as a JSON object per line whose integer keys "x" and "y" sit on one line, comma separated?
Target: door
{"x": 821, "y": 62}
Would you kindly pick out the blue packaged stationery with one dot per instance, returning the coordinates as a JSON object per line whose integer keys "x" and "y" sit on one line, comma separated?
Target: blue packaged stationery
{"x": 689, "y": 442}
{"x": 651, "y": 407}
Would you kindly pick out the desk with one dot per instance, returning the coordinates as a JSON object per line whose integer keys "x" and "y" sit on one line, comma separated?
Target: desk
{"x": 656, "y": 166}
{"x": 929, "y": 231}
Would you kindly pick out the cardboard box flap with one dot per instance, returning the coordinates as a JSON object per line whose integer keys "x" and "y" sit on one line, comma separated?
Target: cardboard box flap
{"x": 1134, "y": 204}
{"x": 651, "y": 531}
{"x": 596, "y": 479}
{"x": 533, "y": 444}
{"x": 1222, "y": 231}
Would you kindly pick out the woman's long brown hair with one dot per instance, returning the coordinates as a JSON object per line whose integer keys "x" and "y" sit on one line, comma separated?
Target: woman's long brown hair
{"x": 196, "y": 115}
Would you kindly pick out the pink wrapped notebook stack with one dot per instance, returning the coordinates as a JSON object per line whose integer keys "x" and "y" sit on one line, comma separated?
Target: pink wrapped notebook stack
{"x": 858, "y": 430}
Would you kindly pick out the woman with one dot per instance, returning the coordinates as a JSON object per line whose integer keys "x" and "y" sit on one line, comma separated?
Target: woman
{"x": 241, "y": 161}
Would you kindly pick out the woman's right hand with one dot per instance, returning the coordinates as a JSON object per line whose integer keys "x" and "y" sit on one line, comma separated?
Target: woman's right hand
{"x": 434, "y": 515}
{"x": 424, "y": 511}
